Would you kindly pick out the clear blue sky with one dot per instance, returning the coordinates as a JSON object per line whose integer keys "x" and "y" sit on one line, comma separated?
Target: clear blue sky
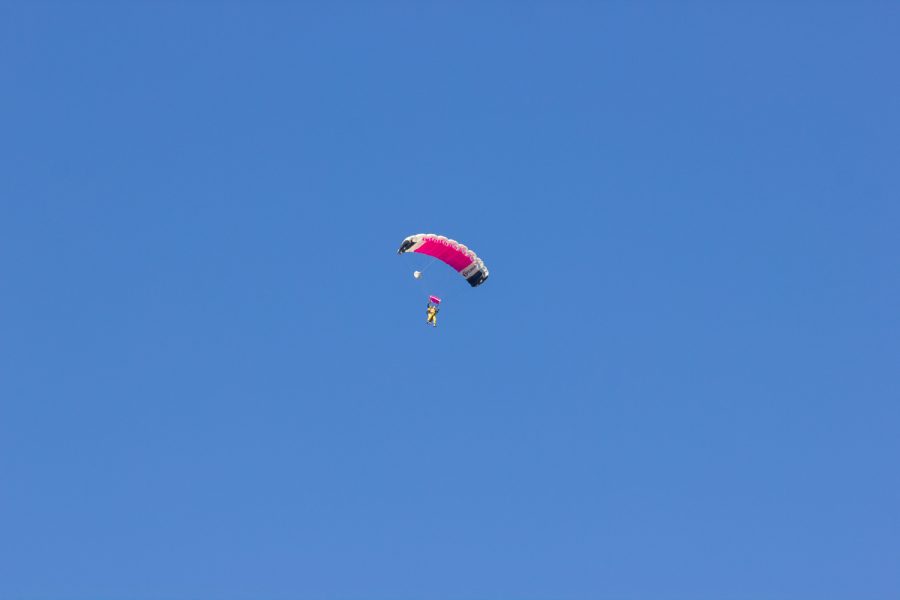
{"x": 681, "y": 380}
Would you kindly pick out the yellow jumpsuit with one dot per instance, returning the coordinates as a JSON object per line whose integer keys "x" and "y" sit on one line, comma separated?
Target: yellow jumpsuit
{"x": 432, "y": 316}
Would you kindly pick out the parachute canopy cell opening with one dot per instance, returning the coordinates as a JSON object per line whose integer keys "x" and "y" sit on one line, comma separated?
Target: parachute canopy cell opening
{"x": 451, "y": 252}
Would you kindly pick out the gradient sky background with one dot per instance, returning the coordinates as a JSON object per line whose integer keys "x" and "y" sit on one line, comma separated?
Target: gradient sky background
{"x": 681, "y": 380}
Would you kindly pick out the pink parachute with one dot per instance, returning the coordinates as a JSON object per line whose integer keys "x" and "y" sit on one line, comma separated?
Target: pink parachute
{"x": 434, "y": 299}
{"x": 450, "y": 252}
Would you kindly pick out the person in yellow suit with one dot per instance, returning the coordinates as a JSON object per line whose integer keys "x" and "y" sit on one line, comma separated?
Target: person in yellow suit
{"x": 432, "y": 312}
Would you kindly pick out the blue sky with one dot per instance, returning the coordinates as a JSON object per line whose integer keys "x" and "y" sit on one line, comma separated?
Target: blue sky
{"x": 681, "y": 380}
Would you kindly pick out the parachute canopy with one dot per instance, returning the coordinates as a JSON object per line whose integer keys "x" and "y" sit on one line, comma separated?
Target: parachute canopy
{"x": 449, "y": 251}
{"x": 434, "y": 299}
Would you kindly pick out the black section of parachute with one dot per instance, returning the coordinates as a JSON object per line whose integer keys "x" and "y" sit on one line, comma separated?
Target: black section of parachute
{"x": 477, "y": 278}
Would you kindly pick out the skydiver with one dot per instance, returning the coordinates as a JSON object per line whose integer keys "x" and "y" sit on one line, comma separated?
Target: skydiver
{"x": 432, "y": 310}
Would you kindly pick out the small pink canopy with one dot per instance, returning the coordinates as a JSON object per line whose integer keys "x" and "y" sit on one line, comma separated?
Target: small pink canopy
{"x": 434, "y": 299}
